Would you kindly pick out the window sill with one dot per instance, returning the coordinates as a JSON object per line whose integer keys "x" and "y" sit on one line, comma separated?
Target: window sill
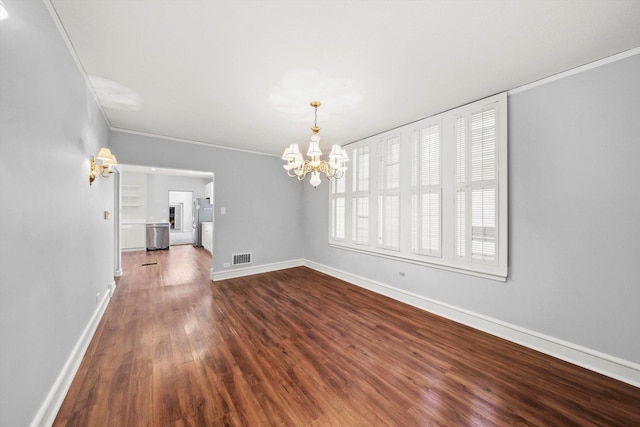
{"x": 485, "y": 272}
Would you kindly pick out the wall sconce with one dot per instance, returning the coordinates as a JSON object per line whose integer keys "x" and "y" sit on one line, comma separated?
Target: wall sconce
{"x": 101, "y": 164}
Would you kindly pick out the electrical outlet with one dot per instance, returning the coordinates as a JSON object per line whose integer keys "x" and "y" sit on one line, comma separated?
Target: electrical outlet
{"x": 226, "y": 264}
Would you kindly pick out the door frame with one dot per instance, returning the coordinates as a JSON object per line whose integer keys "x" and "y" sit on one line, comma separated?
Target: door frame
{"x": 117, "y": 246}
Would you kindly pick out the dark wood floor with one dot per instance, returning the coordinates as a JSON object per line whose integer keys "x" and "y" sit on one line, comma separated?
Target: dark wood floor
{"x": 298, "y": 348}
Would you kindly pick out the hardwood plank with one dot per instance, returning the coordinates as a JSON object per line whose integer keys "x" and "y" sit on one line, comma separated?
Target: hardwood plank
{"x": 299, "y": 348}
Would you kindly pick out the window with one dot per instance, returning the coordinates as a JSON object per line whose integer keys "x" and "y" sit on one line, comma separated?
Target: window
{"x": 426, "y": 190}
{"x": 389, "y": 193}
{"x": 338, "y": 209}
{"x": 476, "y": 208}
{"x": 432, "y": 192}
{"x": 360, "y": 195}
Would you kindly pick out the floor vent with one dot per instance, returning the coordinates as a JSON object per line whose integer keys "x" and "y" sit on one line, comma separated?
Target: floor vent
{"x": 241, "y": 259}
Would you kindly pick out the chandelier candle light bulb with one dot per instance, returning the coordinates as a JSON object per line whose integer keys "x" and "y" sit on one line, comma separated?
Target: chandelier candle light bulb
{"x": 299, "y": 167}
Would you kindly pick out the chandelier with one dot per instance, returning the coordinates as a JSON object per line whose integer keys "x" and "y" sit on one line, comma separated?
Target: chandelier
{"x": 299, "y": 167}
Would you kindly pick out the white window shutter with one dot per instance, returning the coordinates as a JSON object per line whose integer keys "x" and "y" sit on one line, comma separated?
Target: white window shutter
{"x": 476, "y": 193}
{"x": 426, "y": 190}
{"x": 361, "y": 220}
{"x": 338, "y": 211}
{"x": 432, "y": 192}
{"x": 389, "y": 192}
{"x": 360, "y": 205}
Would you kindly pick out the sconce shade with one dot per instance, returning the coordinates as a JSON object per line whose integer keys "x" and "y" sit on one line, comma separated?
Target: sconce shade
{"x": 101, "y": 164}
{"x": 105, "y": 156}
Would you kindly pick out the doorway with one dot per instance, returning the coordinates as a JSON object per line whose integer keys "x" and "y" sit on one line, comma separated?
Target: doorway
{"x": 180, "y": 217}
{"x": 152, "y": 204}
{"x": 176, "y": 216}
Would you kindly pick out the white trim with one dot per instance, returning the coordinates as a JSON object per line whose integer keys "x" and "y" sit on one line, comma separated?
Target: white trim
{"x": 611, "y": 366}
{"x": 257, "y": 269}
{"x": 52, "y": 403}
{"x": 74, "y": 55}
{"x": 111, "y": 287}
{"x": 424, "y": 262}
{"x": 579, "y": 69}
{"x": 63, "y": 33}
{"x": 190, "y": 141}
{"x": 576, "y": 70}
{"x": 117, "y": 222}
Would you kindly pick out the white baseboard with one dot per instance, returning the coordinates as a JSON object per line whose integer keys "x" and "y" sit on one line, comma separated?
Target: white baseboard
{"x": 257, "y": 269}
{"x": 593, "y": 360}
{"x": 52, "y": 403}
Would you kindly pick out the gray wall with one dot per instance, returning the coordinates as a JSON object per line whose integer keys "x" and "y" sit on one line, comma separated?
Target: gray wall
{"x": 574, "y": 235}
{"x": 55, "y": 247}
{"x": 263, "y": 205}
{"x": 158, "y": 187}
{"x": 574, "y": 207}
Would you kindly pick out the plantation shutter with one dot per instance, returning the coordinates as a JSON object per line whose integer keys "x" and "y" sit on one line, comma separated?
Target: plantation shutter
{"x": 432, "y": 192}
{"x": 476, "y": 186}
{"x": 360, "y": 203}
{"x": 389, "y": 193}
{"x": 426, "y": 191}
{"x": 338, "y": 208}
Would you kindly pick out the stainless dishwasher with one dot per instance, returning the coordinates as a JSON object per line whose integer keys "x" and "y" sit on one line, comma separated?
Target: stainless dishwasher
{"x": 157, "y": 235}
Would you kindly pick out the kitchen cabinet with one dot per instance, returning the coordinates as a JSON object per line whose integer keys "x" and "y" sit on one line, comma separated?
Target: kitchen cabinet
{"x": 207, "y": 236}
{"x": 133, "y": 236}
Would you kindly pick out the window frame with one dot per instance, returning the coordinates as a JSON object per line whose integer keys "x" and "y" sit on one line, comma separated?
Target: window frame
{"x": 447, "y": 259}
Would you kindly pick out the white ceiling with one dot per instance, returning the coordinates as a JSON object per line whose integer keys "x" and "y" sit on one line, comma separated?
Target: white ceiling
{"x": 242, "y": 73}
